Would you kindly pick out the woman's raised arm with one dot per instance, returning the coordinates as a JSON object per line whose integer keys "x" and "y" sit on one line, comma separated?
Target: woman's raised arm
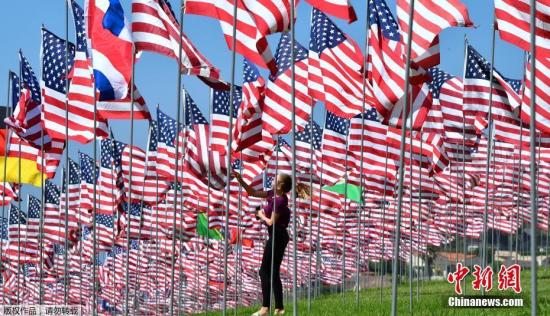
{"x": 248, "y": 189}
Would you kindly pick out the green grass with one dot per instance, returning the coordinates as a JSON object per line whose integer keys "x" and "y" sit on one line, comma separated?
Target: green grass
{"x": 432, "y": 301}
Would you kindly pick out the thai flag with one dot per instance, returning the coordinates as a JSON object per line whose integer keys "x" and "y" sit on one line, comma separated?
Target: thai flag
{"x": 110, "y": 46}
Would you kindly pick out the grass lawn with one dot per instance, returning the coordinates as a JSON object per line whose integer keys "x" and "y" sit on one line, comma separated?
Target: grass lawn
{"x": 433, "y": 300}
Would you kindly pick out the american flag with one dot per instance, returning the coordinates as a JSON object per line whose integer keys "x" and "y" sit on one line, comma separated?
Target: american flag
{"x": 277, "y": 103}
{"x": 220, "y": 118}
{"x": 513, "y": 21}
{"x": 280, "y": 160}
{"x": 335, "y": 133}
{"x": 34, "y": 208}
{"x": 139, "y": 220}
{"x": 104, "y": 231}
{"x": 166, "y": 146}
{"x": 17, "y": 223}
{"x": 339, "y": 8}
{"x": 81, "y": 93}
{"x": 54, "y": 221}
{"x": 56, "y": 66}
{"x": 152, "y": 146}
{"x": 70, "y": 195}
{"x": 89, "y": 172}
{"x": 142, "y": 188}
{"x": 341, "y": 62}
{"x": 505, "y": 97}
{"x": 249, "y": 42}
{"x": 308, "y": 146}
{"x": 8, "y": 193}
{"x": 198, "y": 157}
{"x": 248, "y": 127}
{"x": 15, "y": 90}
{"x": 25, "y": 119}
{"x": 447, "y": 91}
{"x": 430, "y": 17}
{"x": 110, "y": 177}
{"x": 156, "y": 29}
{"x": 375, "y": 149}
{"x": 386, "y": 66}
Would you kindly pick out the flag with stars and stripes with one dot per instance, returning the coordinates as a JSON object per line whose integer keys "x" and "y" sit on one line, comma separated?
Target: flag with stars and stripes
{"x": 152, "y": 146}
{"x": 341, "y": 62}
{"x": 199, "y": 159}
{"x": 386, "y": 65}
{"x": 278, "y": 102}
{"x": 54, "y": 219}
{"x": 104, "y": 231}
{"x": 506, "y": 98}
{"x": 308, "y": 146}
{"x": 447, "y": 94}
{"x": 110, "y": 177}
{"x": 89, "y": 172}
{"x": 280, "y": 160}
{"x": 368, "y": 135}
{"x": 17, "y": 223}
{"x": 168, "y": 130}
{"x": 25, "y": 118}
{"x": 81, "y": 94}
{"x": 219, "y": 128}
{"x": 137, "y": 185}
{"x": 248, "y": 132}
{"x": 334, "y": 143}
{"x": 15, "y": 90}
{"x": 156, "y": 29}
{"x": 34, "y": 210}
{"x": 70, "y": 195}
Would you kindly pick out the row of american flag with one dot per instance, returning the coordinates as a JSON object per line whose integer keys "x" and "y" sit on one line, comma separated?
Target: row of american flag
{"x": 45, "y": 256}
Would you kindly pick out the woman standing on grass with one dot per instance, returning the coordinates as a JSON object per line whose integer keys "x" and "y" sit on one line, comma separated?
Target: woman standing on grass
{"x": 276, "y": 215}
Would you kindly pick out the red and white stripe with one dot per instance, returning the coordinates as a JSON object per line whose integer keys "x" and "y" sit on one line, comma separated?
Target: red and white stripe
{"x": 156, "y": 29}
{"x": 339, "y": 8}
{"x": 514, "y": 23}
{"x": 430, "y": 17}
{"x": 249, "y": 42}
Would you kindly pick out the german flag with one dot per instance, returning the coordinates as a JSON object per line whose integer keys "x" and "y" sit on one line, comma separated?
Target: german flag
{"x": 19, "y": 164}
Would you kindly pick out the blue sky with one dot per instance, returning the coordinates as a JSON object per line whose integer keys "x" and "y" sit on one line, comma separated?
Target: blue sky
{"x": 156, "y": 75}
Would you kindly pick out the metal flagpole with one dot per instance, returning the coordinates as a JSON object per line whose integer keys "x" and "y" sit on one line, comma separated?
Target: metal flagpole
{"x": 228, "y": 154}
{"x": 532, "y": 129}
{"x": 293, "y": 101}
{"x": 464, "y": 159}
{"x": 312, "y": 148}
{"x": 130, "y": 165}
{"x": 395, "y": 264}
{"x": 489, "y": 150}
{"x": 318, "y": 240}
{"x": 208, "y": 208}
{"x": 67, "y": 177}
{"x": 94, "y": 208}
{"x": 363, "y": 105}
{"x": 345, "y": 217}
{"x": 19, "y": 200}
{"x": 383, "y": 246}
{"x": 177, "y": 141}
{"x": 411, "y": 199}
{"x": 239, "y": 245}
{"x": 419, "y": 239}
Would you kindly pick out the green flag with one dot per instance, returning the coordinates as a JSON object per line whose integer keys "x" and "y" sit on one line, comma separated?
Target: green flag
{"x": 202, "y": 228}
{"x": 354, "y": 192}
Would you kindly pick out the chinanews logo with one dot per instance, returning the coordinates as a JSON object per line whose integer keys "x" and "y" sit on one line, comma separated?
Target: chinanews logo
{"x": 508, "y": 279}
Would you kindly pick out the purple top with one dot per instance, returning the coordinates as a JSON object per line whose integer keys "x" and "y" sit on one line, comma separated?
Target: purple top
{"x": 281, "y": 208}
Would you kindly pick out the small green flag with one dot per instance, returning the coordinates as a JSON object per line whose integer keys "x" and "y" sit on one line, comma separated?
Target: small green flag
{"x": 202, "y": 228}
{"x": 354, "y": 192}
